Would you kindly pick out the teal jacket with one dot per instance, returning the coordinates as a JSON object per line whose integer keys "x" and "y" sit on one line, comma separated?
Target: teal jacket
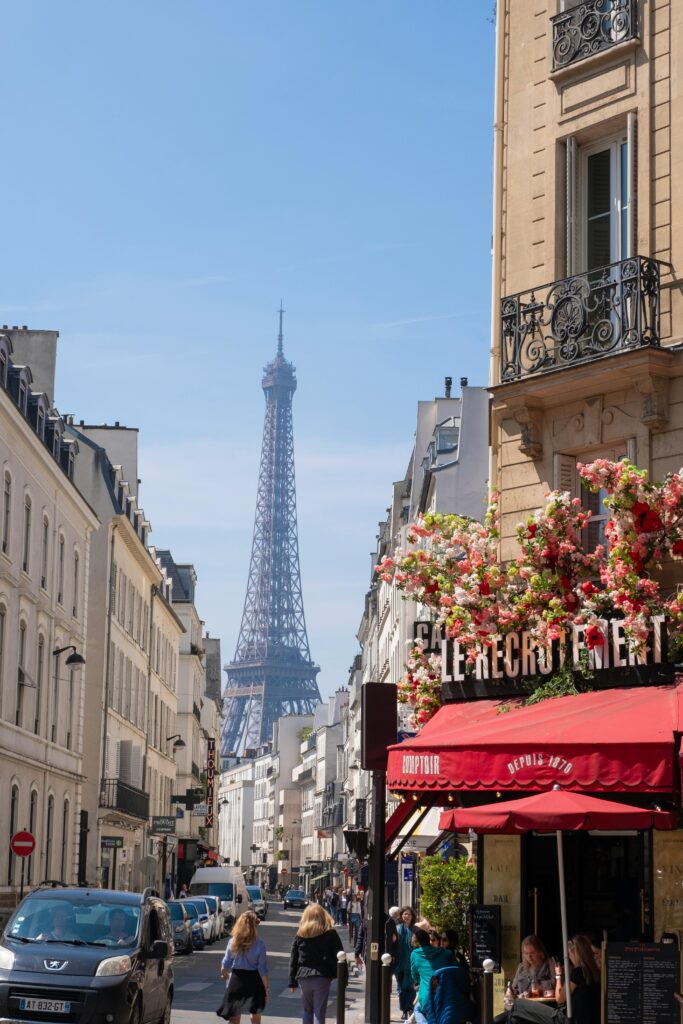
{"x": 423, "y": 962}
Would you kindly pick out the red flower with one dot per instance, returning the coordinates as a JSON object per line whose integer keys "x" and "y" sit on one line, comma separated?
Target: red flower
{"x": 589, "y": 589}
{"x": 677, "y": 548}
{"x": 531, "y": 530}
{"x": 594, "y": 637}
{"x": 647, "y": 520}
{"x": 484, "y": 588}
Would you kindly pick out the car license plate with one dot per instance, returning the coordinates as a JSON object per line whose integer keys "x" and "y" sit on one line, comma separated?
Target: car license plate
{"x": 46, "y": 1005}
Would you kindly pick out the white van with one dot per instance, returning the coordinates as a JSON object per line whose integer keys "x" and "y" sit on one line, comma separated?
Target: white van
{"x": 228, "y": 884}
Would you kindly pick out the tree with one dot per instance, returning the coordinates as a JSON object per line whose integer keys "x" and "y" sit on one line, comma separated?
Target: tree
{"x": 448, "y": 889}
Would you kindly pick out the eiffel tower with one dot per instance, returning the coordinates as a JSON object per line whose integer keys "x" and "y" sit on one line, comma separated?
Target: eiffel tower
{"x": 271, "y": 673}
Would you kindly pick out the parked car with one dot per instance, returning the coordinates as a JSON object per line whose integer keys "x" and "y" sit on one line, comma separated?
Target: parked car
{"x": 259, "y": 901}
{"x": 205, "y": 919}
{"x": 100, "y": 954}
{"x": 198, "y": 941}
{"x": 219, "y": 918}
{"x": 181, "y": 923}
{"x": 295, "y": 898}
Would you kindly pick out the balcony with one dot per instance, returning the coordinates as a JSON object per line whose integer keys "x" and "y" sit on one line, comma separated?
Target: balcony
{"x": 581, "y": 319}
{"x": 120, "y": 796}
{"x": 591, "y": 27}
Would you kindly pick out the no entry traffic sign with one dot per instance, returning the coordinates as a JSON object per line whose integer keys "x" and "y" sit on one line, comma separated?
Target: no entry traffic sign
{"x": 22, "y": 844}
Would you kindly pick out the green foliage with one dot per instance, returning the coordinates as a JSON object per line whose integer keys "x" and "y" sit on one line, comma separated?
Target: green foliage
{"x": 304, "y": 732}
{"x": 448, "y": 889}
{"x": 566, "y": 682}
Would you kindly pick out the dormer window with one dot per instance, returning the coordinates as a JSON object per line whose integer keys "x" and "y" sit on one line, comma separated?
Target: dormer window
{"x": 56, "y": 443}
{"x": 3, "y": 368}
{"x": 23, "y": 396}
{"x": 40, "y": 423}
{"x": 447, "y": 440}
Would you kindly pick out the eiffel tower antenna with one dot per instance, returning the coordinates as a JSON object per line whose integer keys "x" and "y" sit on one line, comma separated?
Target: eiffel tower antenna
{"x": 279, "y": 337}
{"x": 272, "y": 673}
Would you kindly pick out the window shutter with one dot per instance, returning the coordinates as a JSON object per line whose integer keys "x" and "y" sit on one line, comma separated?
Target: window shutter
{"x": 136, "y": 766}
{"x": 565, "y": 474}
{"x": 632, "y": 176}
{"x": 125, "y": 760}
{"x": 572, "y": 213}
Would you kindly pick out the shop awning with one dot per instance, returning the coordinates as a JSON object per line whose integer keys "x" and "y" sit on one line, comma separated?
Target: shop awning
{"x": 605, "y": 741}
{"x": 552, "y": 811}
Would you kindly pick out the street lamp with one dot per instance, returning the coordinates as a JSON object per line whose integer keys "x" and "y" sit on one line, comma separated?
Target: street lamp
{"x": 179, "y": 741}
{"x": 74, "y": 659}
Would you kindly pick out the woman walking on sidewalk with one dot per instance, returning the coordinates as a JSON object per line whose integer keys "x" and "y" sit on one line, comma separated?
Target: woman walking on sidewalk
{"x": 245, "y": 968}
{"x": 313, "y": 962}
{"x": 404, "y": 948}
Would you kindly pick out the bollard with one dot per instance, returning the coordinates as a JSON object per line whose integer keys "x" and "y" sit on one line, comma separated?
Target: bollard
{"x": 342, "y": 980}
{"x": 486, "y": 993}
{"x": 387, "y": 975}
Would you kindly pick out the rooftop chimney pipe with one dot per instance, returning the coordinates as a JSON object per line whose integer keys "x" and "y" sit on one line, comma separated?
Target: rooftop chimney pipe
{"x": 449, "y": 384}
{"x": 463, "y": 382}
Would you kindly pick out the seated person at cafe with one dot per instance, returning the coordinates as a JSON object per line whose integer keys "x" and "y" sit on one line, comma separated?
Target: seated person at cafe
{"x": 585, "y": 989}
{"x": 536, "y": 969}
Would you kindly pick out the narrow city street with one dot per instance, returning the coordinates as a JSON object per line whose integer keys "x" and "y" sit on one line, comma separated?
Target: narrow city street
{"x": 199, "y": 990}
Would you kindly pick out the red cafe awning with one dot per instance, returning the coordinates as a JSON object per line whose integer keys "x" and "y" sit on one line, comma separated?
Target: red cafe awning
{"x": 554, "y": 810}
{"x": 606, "y": 741}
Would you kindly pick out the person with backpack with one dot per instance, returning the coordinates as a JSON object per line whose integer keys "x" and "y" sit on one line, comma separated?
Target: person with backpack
{"x": 424, "y": 960}
{"x": 313, "y": 962}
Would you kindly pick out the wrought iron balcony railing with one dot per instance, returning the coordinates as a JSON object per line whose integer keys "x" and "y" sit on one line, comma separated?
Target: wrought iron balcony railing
{"x": 121, "y": 796}
{"x": 582, "y": 318}
{"x": 590, "y": 27}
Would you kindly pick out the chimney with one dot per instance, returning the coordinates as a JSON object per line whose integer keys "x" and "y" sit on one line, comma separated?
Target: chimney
{"x": 463, "y": 382}
{"x": 448, "y": 381}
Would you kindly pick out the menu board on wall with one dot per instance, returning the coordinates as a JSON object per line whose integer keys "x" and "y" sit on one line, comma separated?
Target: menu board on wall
{"x": 485, "y": 935}
{"x": 640, "y": 981}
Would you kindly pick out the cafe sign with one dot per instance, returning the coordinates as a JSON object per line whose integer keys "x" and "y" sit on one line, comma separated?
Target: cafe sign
{"x": 514, "y": 663}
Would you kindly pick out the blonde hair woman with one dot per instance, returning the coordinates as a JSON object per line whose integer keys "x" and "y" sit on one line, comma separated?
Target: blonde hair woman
{"x": 313, "y": 962}
{"x": 246, "y": 970}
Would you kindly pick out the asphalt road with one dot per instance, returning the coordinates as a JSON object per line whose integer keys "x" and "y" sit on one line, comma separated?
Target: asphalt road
{"x": 199, "y": 990}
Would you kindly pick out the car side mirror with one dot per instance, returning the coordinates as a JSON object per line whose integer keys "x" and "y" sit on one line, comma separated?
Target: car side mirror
{"x": 159, "y": 950}
{"x": 239, "y": 897}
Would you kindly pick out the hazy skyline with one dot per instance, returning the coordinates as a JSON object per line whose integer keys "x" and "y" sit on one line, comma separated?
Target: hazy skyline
{"x": 171, "y": 171}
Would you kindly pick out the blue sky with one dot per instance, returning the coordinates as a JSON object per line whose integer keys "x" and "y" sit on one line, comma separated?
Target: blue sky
{"x": 171, "y": 170}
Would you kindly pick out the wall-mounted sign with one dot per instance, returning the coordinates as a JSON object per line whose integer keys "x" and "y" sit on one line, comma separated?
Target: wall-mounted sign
{"x": 163, "y": 825}
{"x": 210, "y": 773}
{"x": 200, "y": 810}
{"x": 361, "y": 813}
{"x": 515, "y": 663}
{"x": 640, "y": 981}
{"x": 111, "y": 842}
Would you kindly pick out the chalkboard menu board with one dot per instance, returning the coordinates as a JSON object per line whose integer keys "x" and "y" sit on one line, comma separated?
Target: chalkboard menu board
{"x": 640, "y": 981}
{"x": 485, "y": 935}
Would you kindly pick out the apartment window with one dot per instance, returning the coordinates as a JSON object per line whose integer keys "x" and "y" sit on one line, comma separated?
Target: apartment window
{"x": 13, "y": 820}
{"x": 3, "y": 623}
{"x": 6, "y": 512}
{"x": 40, "y": 423}
{"x": 23, "y": 395}
{"x": 71, "y": 464}
{"x": 40, "y": 670}
{"x": 26, "y": 546}
{"x": 77, "y": 583}
{"x": 32, "y": 819}
{"x": 45, "y": 553}
{"x": 49, "y": 836}
{"x": 567, "y": 479}
{"x": 600, "y": 188}
{"x": 21, "y": 675}
{"x": 60, "y": 570}
{"x": 65, "y": 842}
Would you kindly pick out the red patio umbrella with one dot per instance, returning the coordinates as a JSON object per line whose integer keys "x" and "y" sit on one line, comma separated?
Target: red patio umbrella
{"x": 555, "y": 811}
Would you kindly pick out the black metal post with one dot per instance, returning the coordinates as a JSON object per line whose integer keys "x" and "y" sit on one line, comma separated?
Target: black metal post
{"x": 342, "y": 980}
{"x": 82, "y": 847}
{"x": 387, "y": 975}
{"x": 23, "y": 869}
{"x": 486, "y": 996}
{"x": 375, "y": 900}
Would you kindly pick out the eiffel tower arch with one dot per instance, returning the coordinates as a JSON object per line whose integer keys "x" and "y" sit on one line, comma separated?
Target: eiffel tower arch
{"x": 271, "y": 673}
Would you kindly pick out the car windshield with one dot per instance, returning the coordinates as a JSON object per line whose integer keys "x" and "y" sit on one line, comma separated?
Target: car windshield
{"x": 191, "y": 909}
{"x": 254, "y": 892}
{"x": 222, "y": 889}
{"x": 212, "y": 902}
{"x": 93, "y": 921}
{"x": 176, "y": 911}
{"x": 200, "y": 905}
{"x": 295, "y": 894}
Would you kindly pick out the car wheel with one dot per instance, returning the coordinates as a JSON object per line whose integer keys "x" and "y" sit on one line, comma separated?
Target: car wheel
{"x": 166, "y": 1015}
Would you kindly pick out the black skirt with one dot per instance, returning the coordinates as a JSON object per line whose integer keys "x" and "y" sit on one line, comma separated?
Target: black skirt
{"x": 245, "y": 993}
